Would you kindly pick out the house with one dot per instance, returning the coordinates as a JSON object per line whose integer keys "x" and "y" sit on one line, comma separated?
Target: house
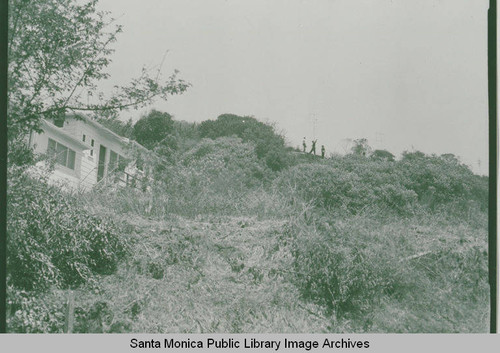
{"x": 85, "y": 153}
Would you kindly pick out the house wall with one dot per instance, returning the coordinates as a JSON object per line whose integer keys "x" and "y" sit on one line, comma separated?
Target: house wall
{"x": 88, "y": 175}
{"x": 77, "y": 129}
{"x": 84, "y": 176}
{"x": 101, "y": 136}
{"x": 61, "y": 174}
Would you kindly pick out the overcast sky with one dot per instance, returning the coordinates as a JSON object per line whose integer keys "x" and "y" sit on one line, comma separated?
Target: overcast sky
{"x": 404, "y": 74}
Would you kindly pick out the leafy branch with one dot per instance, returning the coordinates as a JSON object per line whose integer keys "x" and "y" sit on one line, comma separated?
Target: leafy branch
{"x": 69, "y": 56}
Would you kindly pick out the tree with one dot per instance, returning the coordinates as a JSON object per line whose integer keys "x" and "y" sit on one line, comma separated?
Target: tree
{"x": 451, "y": 158}
{"x": 153, "y": 128}
{"x": 412, "y": 156}
{"x": 269, "y": 145}
{"x": 361, "y": 147}
{"x": 382, "y": 155}
{"x": 58, "y": 51}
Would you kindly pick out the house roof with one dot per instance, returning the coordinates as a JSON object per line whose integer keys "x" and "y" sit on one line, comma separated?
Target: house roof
{"x": 108, "y": 132}
{"x": 48, "y": 126}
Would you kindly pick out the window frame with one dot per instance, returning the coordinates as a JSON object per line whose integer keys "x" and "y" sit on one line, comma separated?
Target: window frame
{"x": 55, "y": 150}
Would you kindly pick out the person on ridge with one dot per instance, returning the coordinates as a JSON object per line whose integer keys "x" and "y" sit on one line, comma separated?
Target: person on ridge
{"x": 313, "y": 148}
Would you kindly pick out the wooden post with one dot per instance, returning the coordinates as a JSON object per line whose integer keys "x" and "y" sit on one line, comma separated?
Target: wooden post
{"x": 70, "y": 313}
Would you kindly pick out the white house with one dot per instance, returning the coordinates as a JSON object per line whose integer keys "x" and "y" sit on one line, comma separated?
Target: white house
{"x": 86, "y": 153}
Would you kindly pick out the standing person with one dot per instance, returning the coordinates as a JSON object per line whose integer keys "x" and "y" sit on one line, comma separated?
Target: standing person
{"x": 322, "y": 151}
{"x": 313, "y": 148}
{"x": 304, "y": 145}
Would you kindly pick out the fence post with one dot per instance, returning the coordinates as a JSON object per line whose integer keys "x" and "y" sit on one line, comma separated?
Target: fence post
{"x": 70, "y": 313}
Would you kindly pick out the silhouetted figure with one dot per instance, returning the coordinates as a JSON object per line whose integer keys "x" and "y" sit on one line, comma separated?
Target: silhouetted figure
{"x": 304, "y": 146}
{"x": 322, "y": 151}
{"x": 313, "y": 148}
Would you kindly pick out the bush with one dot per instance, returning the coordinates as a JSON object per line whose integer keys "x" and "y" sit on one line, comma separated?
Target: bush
{"x": 442, "y": 180}
{"x": 383, "y": 155}
{"x": 20, "y": 154}
{"x": 35, "y": 313}
{"x": 278, "y": 159}
{"x": 212, "y": 176}
{"x": 336, "y": 268}
{"x": 52, "y": 240}
{"x": 360, "y": 268}
{"x": 269, "y": 145}
{"x": 417, "y": 182}
{"x": 341, "y": 190}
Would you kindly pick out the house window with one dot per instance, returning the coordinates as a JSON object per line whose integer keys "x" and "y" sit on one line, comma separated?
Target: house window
{"x": 61, "y": 154}
{"x": 92, "y": 142}
{"x": 117, "y": 162}
{"x": 117, "y": 165}
{"x": 113, "y": 161}
{"x": 91, "y": 152}
{"x": 83, "y": 139}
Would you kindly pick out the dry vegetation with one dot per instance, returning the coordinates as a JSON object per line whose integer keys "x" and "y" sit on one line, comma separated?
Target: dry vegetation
{"x": 230, "y": 239}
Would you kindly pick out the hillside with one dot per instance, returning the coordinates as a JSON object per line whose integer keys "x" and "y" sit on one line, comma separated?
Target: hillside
{"x": 226, "y": 275}
{"x": 237, "y": 233}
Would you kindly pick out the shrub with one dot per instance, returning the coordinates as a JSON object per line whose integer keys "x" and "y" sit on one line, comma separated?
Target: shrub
{"x": 35, "y": 313}
{"x": 20, "y": 154}
{"x": 442, "y": 180}
{"x": 434, "y": 274}
{"x": 337, "y": 188}
{"x": 53, "y": 241}
{"x": 336, "y": 268}
{"x": 278, "y": 159}
{"x": 383, "y": 155}
{"x": 353, "y": 183}
{"x": 361, "y": 148}
{"x": 223, "y": 167}
{"x": 269, "y": 145}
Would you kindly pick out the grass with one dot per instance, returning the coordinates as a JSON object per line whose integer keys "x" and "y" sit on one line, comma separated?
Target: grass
{"x": 226, "y": 275}
{"x": 233, "y": 273}
{"x": 344, "y": 249}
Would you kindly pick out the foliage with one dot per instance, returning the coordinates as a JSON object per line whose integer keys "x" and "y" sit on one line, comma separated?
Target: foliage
{"x": 434, "y": 275}
{"x": 344, "y": 244}
{"x": 346, "y": 191}
{"x": 361, "y": 148}
{"x": 125, "y": 129}
{"x": 34, "y": 312}
{"x": 186, "y": 130}
{"x": 383, "y": 154}
{"x": 278, "y": 159}
{"x": 442, "y": 180}
{"x": 152, "y": 128}
{"x": 269, "y": 145}
{"x": 225, "y": 157}
{"x": 61, "y": 68}
{"x": 20, "y": 154}
{"x": 211, "y": 175}
{"x": 52, "y": 241}
{"x": 184, "y": 136}
{"x": 336, "y": 270}
{"x": 353, "y": 183}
